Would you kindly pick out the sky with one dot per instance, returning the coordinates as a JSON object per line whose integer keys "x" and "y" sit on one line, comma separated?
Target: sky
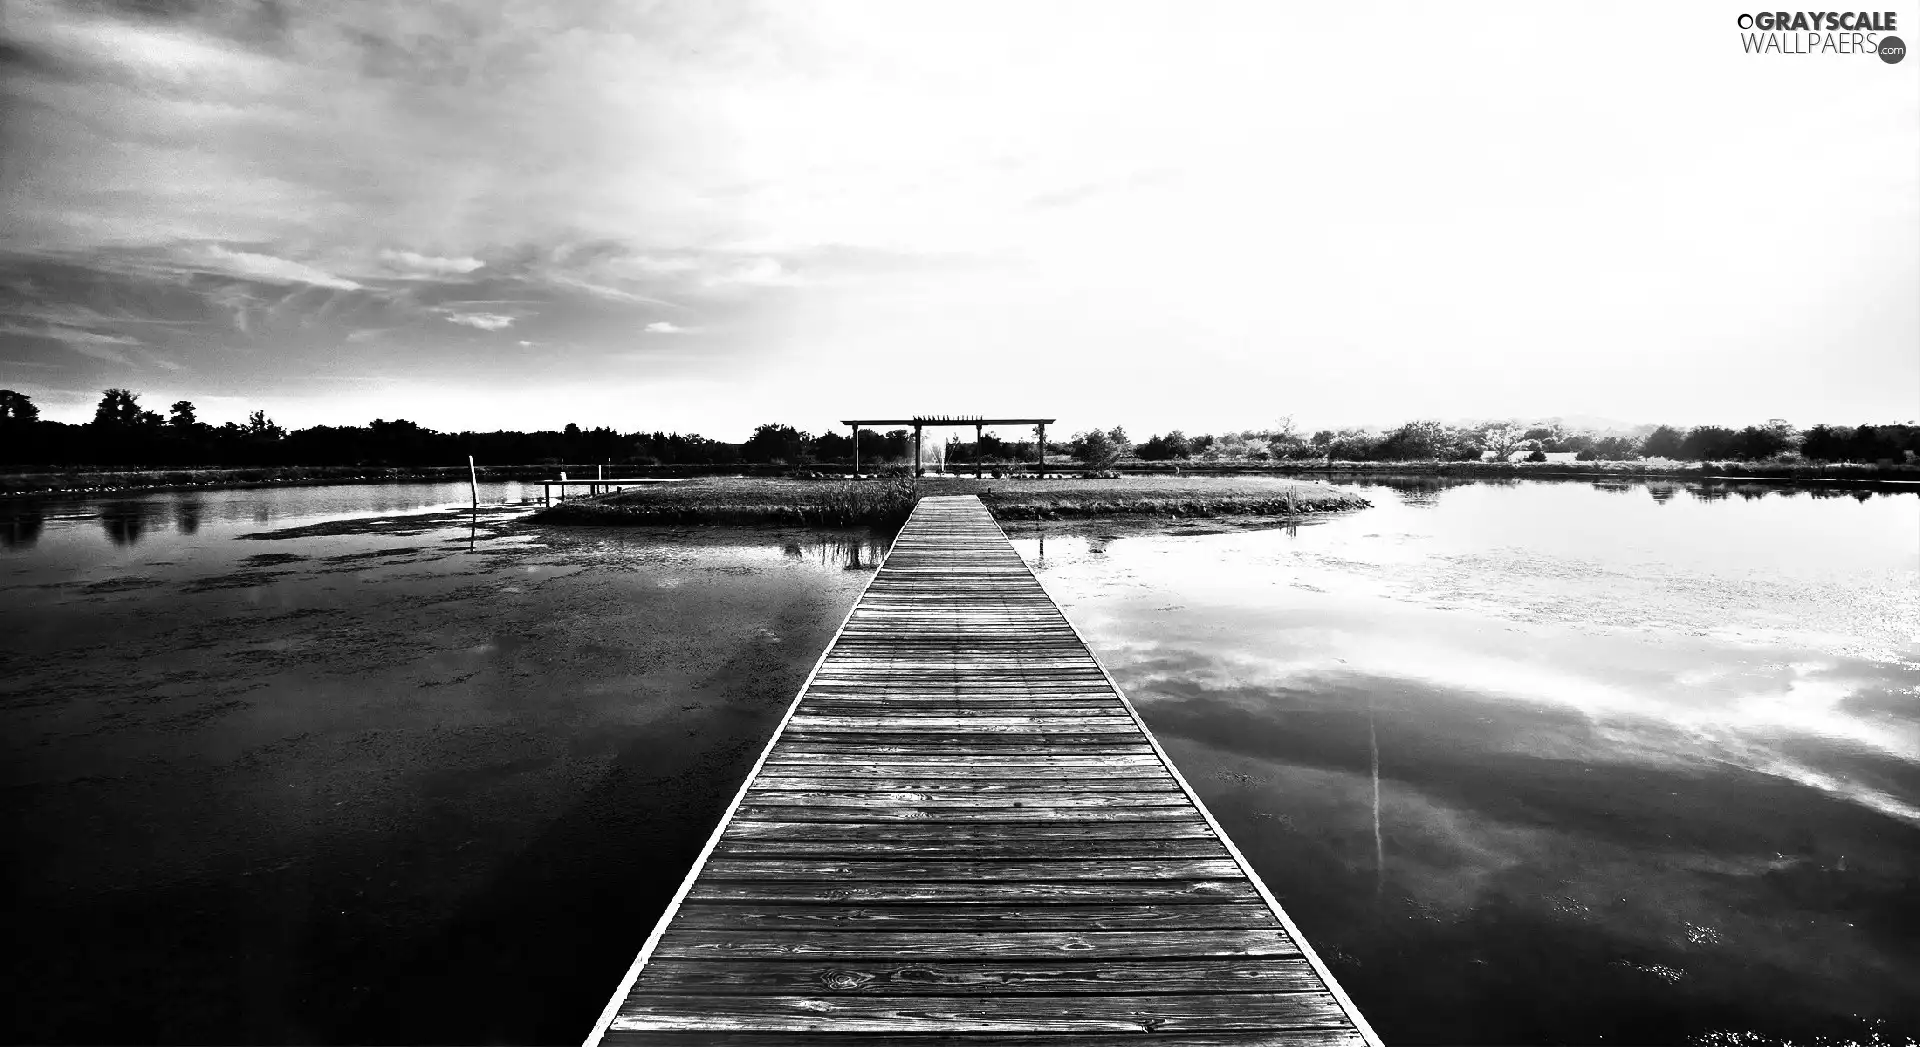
{"x": 702, "y": 216}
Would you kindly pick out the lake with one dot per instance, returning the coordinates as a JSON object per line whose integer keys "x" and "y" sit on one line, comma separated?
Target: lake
{"x": 1539, "y": 762}
{"x": 346, "y": 764}
{"x": 1527, "y": 761}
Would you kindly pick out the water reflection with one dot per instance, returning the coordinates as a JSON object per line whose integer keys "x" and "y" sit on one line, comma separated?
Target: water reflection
{"x": 1651, "y": 768}
{"x": 853, "y": 553}
{"x": 124, "y": 522}
{"x": 22, "y": 525}
{"x": 186, "y": 514}
{"x": 1424, "y": 491}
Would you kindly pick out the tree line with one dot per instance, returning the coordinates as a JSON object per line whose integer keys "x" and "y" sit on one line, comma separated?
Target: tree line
{"x": 1433, "y": 441}
{"x": 123, "y": 432}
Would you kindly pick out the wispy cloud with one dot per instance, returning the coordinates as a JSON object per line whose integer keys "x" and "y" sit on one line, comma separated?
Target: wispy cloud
{"x": 98, "y": 345}
{"x": 266, "y": 268}
{"x": 481, "y": 321}
{"x": 413, "y": 264}
{"x": 666, "y": 327}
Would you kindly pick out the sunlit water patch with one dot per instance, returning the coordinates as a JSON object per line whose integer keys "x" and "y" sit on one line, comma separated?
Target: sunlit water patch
{"x": 1554, "y": 761}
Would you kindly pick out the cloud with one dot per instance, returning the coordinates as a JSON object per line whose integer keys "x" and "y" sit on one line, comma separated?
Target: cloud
{"x": 410, "y": 263}
{"x": 87, "y": 343}
{"x": 483, "y": 321}
{"x": 666, "y": 327}
{"x": 266, "y": 268}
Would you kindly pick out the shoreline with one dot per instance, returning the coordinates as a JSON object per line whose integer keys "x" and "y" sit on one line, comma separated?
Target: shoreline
{"x": 57, "y": 482}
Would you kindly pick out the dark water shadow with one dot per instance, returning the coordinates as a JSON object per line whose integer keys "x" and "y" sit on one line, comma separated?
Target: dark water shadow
{"x": 125, "y": 523}
{"x": 21, "y": 524}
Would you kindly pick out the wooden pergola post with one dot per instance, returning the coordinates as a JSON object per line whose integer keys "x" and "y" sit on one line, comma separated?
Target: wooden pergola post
{"x": 919, "y": 424}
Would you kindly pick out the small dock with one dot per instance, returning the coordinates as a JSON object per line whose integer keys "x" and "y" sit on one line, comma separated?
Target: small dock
{"x": 962, "y": 833}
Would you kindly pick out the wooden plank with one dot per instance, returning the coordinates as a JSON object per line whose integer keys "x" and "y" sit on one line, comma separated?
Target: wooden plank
{"x": 962, "y": 833}
{"x": 1261, "y": 1012}
{"x": 1115, "y": 917}
{"x": 709, "y": 943}
{"x": 1035, "y": 813}
{"x": 959, "y": 786}
{"x": 877, "y": 892}
{"x": 936, "y": 800}
{"x": 911, "y": 837}
{"x": 943, "y": 977}
{"x": 1317, "y": 1037}
{"x": 869, "y": 848}
{"x": 973, "y": 871}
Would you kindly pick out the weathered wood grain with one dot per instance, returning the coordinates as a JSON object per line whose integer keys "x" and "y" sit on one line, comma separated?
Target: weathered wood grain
{"x": 910, "y": 838}
{"x": 1254, "y": 1012}
{"x": 963, "y": 835}
{"x": 1315, "y": 1037}
{"x": 1035, "y": 850}
{"x": 1115, "y": 917}
{"x": 762, "y": 944}
{"x": 904, "y": 977}
{"x": 797, "y": 868}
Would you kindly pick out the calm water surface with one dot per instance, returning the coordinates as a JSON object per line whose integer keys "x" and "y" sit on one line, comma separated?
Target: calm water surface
{"x": 1528, "y": 762}
{"x": 340, "y": 764}
{"x": 1554, "y": 762}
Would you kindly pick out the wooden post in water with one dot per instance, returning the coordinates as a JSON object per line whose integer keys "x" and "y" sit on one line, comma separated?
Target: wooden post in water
{"x": 473, "y": 482}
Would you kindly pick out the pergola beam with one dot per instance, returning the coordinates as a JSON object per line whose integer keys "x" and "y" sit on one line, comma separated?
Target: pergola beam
{"x": 946, "y": 420}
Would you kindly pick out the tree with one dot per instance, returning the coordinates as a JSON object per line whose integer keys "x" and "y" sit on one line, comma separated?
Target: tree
{"x": 259, "y": 426}
{"x": 1160, "y": 448}
{"x": 1502, "y": 440}
{"x": 17, "y": 407}
{"x": 182, "y": 415}
{"x": 1609, "y": 449}
{"x": 1417, "y": 441}
{"x": 1708, "y": 442}
{"x": 774, "y": 442}
{"x": 832, "y": 447}
{"x": 1101, "y": 450}
{"x": 1663, "y": 442}
{"x": 118, "y": 409}
{"x": 1825, "y": 443}
{"x": 1755, "y": 442}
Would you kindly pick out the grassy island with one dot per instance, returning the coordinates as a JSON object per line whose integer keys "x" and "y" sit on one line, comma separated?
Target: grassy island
{"x": 887, "y": 501}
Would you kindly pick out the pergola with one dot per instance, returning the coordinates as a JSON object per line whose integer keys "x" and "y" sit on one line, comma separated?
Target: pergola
{"x": 922, "y": 421}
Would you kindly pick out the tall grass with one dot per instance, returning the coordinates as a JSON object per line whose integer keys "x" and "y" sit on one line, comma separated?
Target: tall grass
{"x": 818, "y": 503}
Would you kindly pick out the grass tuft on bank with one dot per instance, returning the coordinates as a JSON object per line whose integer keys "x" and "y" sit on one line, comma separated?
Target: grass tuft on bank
{"x": 1171, "y": 496}
{"x": 746, "y": 500}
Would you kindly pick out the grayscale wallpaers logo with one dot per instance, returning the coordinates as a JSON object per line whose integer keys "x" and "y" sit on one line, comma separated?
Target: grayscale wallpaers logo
{"x": 1822, "y": 33}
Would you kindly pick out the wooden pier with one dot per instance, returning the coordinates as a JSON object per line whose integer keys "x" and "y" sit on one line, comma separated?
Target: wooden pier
{"x": 962, "y": 833}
